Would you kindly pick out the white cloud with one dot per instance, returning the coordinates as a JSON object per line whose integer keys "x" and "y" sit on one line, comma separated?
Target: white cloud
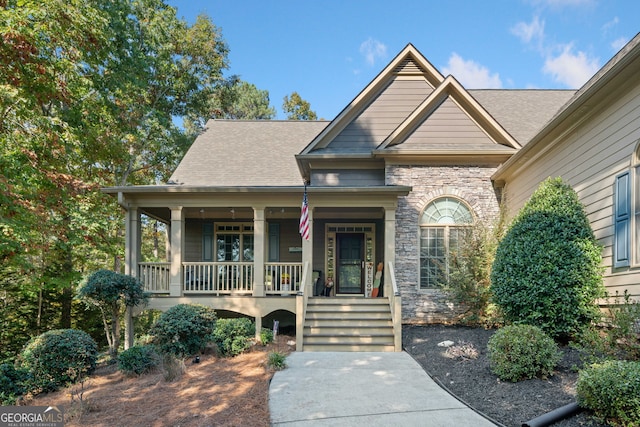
{"x": 571, "y": 69}
{"x": 528, "y": 32}
{"x": 471, "y": 74}
{"x": 619, "y": 43}
{"x": 609, "y": 25}
{"x": 372, "y": 49}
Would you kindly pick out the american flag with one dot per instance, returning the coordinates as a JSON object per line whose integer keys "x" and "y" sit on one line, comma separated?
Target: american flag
{"x": 304, "y": 217}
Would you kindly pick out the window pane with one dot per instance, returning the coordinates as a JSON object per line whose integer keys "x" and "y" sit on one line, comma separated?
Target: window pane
{"x": 228, "y": 247}
{"x": 446, "y": 210}
{"x": 432, "y": 257}
{"x": 247, "y": 251}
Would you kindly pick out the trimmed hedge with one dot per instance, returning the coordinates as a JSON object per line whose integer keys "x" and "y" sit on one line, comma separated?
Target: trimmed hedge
{"x": 138, "y": 359}
{"x": 547, "y": 270}
{"x": 59, "y": 357}
{"x": 233, "y": 336}
{"x": 184, "y": 329}
{"x": 520, "y": 352}
{"x": 612, "y": 391}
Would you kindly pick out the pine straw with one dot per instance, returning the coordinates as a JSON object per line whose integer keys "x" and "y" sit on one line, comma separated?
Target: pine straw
{"x": 216, "y": 391}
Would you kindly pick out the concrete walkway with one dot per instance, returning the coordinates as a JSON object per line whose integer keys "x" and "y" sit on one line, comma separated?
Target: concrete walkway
{"x": 362, "y": 389}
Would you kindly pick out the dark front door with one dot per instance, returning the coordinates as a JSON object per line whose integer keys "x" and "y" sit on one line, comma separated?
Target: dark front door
{"x": 350, "y": 263}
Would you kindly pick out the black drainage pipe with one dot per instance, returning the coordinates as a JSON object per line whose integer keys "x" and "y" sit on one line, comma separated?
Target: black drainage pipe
{"x": 554, "y": 416}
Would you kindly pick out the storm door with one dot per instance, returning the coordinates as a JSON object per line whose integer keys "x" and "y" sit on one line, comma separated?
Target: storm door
{"x": 350, "y": 263}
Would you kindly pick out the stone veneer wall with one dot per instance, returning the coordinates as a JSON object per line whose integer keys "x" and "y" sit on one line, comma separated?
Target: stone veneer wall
{"x": 469, "y": 183}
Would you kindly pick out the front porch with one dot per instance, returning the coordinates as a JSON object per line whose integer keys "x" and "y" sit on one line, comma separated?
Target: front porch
{"x": 252, "y": 261}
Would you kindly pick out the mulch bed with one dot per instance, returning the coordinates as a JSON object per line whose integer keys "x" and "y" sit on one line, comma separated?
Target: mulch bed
{"x": 471, "y": 380}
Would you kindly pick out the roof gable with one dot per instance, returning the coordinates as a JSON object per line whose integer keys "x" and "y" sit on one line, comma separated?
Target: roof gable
{"x": 408, "y": 68}
{"x": 449, "y": 120}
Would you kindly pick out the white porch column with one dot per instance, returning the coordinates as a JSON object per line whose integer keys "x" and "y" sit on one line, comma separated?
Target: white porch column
{"x": 132, "y": 256}
{"x": 301, "y": 300}
{"x": 389, "y": 247}
{"x": 259, "y": 242}
{"x": 177, "y": 242}
{"x": 307, "y": 254}
{"x": 132, "y": 243}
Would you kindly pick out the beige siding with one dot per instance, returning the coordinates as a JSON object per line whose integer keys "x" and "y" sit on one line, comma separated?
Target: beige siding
{"x": 383, "y": 115}
{"x": 448, "y": 125}
{"x": 589, "y": 159}
{"x": 345, "y": 177}
{"x": 193, "y": 241}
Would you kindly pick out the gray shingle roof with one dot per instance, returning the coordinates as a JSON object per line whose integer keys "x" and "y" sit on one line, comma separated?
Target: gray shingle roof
{"x": 246, "y": 153}
{"x": 522, "y": 112}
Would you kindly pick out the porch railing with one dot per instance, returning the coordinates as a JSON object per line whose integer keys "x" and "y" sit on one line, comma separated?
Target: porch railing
{"x": 395, "y": 303}
{"x": 282, "y": 278}
{"x": 154, "y": 276}
{"x": 218, "y": 277}
{"x": 222, "y": 278}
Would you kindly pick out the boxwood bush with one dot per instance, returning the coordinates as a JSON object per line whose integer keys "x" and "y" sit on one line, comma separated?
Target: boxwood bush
{"x": 612, "y": 391}
{"x": 138, "y": 359}
{"x": 59, "y": 357}
{"x": 233, "y": 336}
{"x": 547, "y": 269}
{"x": 184, "y": 329}
{"x": 519, "y": 352}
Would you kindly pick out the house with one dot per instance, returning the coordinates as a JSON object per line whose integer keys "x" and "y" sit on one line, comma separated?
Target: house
{"x": 390, "y": 184}
{"x": 593, "y": 143}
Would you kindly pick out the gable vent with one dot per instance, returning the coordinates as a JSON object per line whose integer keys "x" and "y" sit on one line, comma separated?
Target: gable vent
{"x": 408, "y": 66}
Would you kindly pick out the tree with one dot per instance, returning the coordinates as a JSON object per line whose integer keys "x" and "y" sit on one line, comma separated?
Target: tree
{"x": 297, "y": 108}
{"x": 547, "y": 269}
{"x": 88, "y": 96}
{"x": 239, "y": 100}
{"x": 112, "y": 293}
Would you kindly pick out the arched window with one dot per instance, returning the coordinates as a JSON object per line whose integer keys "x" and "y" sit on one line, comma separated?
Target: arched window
{"x": 442, "y": 226}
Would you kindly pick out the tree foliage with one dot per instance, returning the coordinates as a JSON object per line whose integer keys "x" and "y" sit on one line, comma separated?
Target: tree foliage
{"x": 297, "y": 108}
{"x": 547, "y": 269}
{"x": 112, "y": 293}
{"x": 240, "y": 100}
{"x": 89, "y": 93}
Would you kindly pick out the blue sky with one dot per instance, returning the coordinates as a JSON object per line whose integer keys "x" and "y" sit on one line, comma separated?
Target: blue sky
{"x": 329, "y": 50}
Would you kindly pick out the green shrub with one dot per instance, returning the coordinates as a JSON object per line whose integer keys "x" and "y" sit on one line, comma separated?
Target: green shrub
{"x": 138, "y": 359}
{"x": 184, "y": 329}
{"x": 547, "y": 270}
{"x": 59, "y": 357}
{"x": 233, "y": 336}
{"x": 612, "y": 391}
{"x": 276, "y": 360}
{"x": 624, "y": 333}
{"x": 266, "y": 336}
{"x": 519, "y": 352}
{"x": 469, "y": 281}
{"x": 13, "y": 383}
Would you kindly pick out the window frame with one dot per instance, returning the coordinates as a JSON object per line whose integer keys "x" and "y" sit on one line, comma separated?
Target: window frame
{"x": 447, "y": 231}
